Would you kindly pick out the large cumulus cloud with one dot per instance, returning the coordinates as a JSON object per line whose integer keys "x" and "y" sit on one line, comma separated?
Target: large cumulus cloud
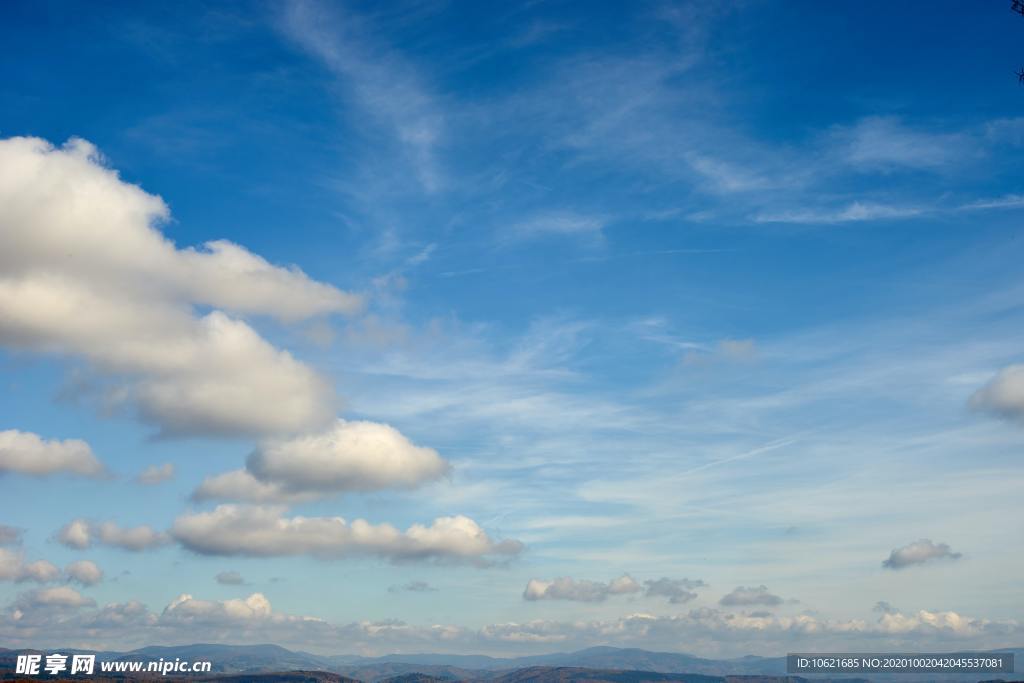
{"x": 85, "y": 272}
{"x": 349, "y": 456}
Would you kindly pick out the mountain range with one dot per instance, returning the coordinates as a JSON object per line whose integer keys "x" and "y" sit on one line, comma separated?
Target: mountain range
{"x": 245, "y": 663}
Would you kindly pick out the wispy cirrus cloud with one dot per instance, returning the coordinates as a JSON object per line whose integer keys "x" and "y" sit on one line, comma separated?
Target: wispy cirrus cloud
{"x": 850, "y": 213}
{"x": 385, "y": 87}
{"x": 885, "y": 143}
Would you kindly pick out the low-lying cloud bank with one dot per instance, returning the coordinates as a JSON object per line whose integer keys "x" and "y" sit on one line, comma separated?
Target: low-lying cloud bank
{"x": 62, "y": 616}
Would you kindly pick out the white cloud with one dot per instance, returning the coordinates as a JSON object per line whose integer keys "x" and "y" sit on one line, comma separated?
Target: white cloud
{"x": 918, "y": 552}
{"x": 60, "y": 596}
{"x": 884, "y": 142}
{"x": 66, "y": 212}
{"x": 9, "y": 535}
{"x": 265, "y": 531}
{"x": 155, "y": 474}
{"x": 81, "y": 534}
{"x": 853, "y": 212}
{"x": 1003, "y": 395}
{"x": 727, "y": 178}
{"x": 28, "y": 453}
{"x": 230, "y": 578}
{"x": 579, "y": 590}
{"x": 387, "y": 87}
{"x": 1008, "y": 201}
{"x": 59, "y": 614}
{"x": 413, "y": 587}
{"x": 85, "y": 272}
{"x": 13, "y": 567}
{"x": 187, "y": 608}
{"x": 558, "y": 223}
{"x": 678, "y": 591}
{"x": 84, "y": 572}
{"x": 75, "y": 534}
{"x": 351, "y": 456}
{"x": 242, "y": 486}
{"x": 742, "y": 596}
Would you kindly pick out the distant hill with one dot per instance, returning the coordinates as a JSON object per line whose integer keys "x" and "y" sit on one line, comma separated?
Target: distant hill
{"x": 545, "y": 674}
{"x": 233, "y": 658}
{"x": 265, "y": 663}
{"x": 603, "y": 658}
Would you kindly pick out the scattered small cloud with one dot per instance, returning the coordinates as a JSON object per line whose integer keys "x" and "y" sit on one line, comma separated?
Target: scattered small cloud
{"x": 579, "y": 590}
{"x": 919, "y": 552}
{"x": 156, "y": 474}
{"x": 59, "y": 596}
{"x": 1003, "y": 396}
{"x": 14, "y": 567}
{"x": 884, "y": 607}
{"x": 28, "y": 453}
{"x": 10, "y": 535}
{"x": 81, "y": 534}
{"x": 412, "y": 587}
{"x": 230, "y": 578}
{"x": 743, "y": 596}
{"x": 678, "y": 591}
{"x": 84, "y": 572}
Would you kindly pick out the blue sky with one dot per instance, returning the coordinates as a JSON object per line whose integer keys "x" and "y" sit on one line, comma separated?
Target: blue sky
{"x": 723, "y": 294}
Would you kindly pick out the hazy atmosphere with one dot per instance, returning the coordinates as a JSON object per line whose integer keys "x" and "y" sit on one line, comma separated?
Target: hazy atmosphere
{"x": 512, "y": 328}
